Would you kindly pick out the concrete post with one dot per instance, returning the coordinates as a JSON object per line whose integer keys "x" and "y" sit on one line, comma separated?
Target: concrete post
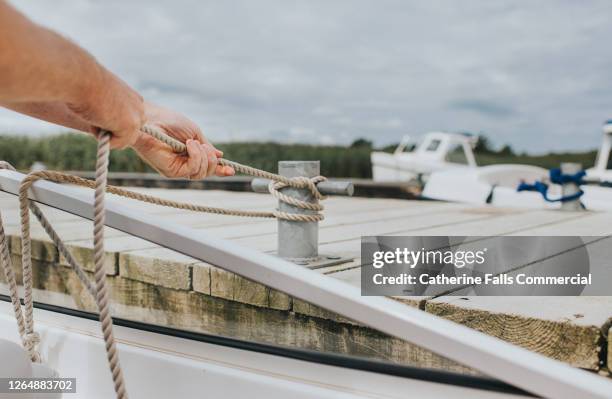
{"x": 298, "y": 241}
{"x": 570, "y": 168}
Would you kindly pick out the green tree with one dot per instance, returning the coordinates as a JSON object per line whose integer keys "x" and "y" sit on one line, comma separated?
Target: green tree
{"x": 483, "y": 145}
{"x": 361, "y": 142}
{"x": 506, "y": 151}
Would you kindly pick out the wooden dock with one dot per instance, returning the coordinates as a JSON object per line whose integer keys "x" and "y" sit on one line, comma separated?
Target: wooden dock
{"x": 178, "y": 291}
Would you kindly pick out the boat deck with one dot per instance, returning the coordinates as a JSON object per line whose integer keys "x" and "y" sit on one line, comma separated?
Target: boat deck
{"x": 175, "y": 288}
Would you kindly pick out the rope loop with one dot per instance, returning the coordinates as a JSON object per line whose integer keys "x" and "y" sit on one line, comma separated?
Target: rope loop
{"x": 31, "y": 341}
{"x": 301, "y": 183}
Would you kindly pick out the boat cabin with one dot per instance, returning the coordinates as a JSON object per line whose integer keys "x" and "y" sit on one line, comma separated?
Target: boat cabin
{"x": 436, "y": 151}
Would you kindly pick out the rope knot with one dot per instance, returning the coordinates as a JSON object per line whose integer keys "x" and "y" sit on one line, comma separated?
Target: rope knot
{"x": 31, "y": 341}
{"x": 308, "y": 182}
{"x": 300, "y": 182}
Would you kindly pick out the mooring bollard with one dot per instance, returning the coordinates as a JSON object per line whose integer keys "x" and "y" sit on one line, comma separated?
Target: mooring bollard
{"x": 570, "y": 168}
{"x": 299, "y": 241}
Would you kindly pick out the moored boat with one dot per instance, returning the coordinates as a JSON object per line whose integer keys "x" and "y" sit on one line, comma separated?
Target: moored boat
{"x": 498, "y": 185}
{"x": 436, "y": 151}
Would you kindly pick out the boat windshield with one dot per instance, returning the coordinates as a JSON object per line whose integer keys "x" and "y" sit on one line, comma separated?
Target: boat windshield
{"x": 433, "y": 145}
{"x": 457, "y": 155}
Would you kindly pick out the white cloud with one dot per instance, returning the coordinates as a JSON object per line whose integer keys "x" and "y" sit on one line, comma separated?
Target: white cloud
{"x": 533, "y": 74}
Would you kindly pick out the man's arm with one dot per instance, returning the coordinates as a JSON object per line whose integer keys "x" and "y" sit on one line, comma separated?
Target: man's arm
{"x": 30, "y": 51}
{"x": 48, "y": 77}
{"x": 39, "y": 66}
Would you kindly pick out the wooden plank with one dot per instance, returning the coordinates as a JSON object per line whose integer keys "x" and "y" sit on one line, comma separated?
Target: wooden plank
{"x": 588, "y": 224}
{"x": 463, "y": 227}
{"x": 158, "y": 266}
{"x": 267, "y": 242}
{"x": 250, "y": 200}
{"x": 564, "y": 328}
{"x": 505, "y": 222}
{"x": 197, "y": 219}
{"x": 332, "y": 220}
{"x": 82, "y": 250}
{"x": 353, "y": 277}
{"x": 231, "y": 201}
{"x": 568, "y": 328}
{"x": 208, "y": 220}
{"x": 167, "y": 268}
{"x": 351, "y": 247}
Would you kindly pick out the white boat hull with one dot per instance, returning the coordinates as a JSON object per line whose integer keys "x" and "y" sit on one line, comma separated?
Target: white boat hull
{"x": 497, "y": 185}
{"x": 395, "y": 168}
{"x": 162, "y": 366}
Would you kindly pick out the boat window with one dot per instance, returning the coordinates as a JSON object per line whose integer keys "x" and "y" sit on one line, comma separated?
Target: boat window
{"x": 457, "y": 155}
{"x": 409, "y": 147}
{"x": 433, "y": 145}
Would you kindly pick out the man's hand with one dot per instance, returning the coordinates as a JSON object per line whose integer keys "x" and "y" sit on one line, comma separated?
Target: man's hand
{"x": 201, "y": 159}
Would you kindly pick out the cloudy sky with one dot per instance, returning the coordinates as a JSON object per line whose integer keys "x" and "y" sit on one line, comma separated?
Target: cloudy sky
{"x": 535, "y": 74}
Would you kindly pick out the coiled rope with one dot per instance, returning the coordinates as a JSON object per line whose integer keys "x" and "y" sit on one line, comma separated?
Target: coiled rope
{"x": 99, "y": 290}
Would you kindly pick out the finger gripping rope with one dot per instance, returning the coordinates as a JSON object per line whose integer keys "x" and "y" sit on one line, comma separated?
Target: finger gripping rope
{"x": 279, "y": 181}
{"x": 99, "y": 290}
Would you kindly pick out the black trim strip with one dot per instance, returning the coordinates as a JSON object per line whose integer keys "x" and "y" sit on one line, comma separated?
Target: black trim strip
{"x": 332, "y": 359}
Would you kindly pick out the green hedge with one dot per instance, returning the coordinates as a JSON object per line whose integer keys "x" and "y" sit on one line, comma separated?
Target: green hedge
{"x": 71, "y": 151}
{"x": 67, "y": 151}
